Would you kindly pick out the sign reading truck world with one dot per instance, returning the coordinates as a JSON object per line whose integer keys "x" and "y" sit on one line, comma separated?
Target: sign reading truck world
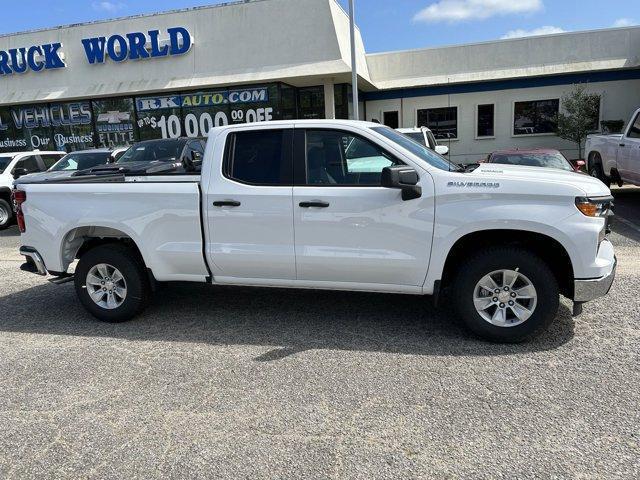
{"x": 117, "y": 48}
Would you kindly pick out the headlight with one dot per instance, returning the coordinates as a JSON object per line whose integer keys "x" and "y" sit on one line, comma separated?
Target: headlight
{"x": 595, "y": 206}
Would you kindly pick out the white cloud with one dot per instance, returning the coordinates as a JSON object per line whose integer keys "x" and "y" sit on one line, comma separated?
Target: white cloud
{"x": 107, "y": 6}
{"x": 453, "y": 11}
{"x": 624, "y": 22}
{"x": 546, "y": 30}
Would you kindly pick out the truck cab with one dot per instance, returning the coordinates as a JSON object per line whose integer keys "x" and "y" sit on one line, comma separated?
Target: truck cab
{"x": 616, "y": 158}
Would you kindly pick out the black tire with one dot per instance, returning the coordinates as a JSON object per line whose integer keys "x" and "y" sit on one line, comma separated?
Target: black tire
{"x": 6, "y": 214}
{"x": 511, "y": 258}
{"x": 135, "y": 276}
{"x": 596, "y": 171}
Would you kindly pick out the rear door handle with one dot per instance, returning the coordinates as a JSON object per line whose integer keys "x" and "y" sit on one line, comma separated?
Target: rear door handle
{"x": 621, "y": 144}
{"x": 227, "y": 203}
{"x": 314, "y": 204}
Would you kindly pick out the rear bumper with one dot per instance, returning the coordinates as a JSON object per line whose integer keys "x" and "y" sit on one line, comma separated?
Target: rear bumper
{"x": 34, "y": 263}
{"x": 587, "y": 290}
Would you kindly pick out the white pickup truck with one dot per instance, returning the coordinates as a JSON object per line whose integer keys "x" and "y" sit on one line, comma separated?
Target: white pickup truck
{"x": 616, "y": 158}
{"x": 328, "y": 205}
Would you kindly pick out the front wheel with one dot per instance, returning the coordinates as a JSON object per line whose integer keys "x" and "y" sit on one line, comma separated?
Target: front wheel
{"x": 111, "y": 283}
{"x": 506, "y": 294}
{"x": 6, "y": 214}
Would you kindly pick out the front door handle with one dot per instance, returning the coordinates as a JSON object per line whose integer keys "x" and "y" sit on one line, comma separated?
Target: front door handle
{"x": 621, "y": 145}
{"x": 314, "y": 204}
{"x": 227, "y": 203}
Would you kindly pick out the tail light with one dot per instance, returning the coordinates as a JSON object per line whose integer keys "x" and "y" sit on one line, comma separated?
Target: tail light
{"x": 19, "y": 197}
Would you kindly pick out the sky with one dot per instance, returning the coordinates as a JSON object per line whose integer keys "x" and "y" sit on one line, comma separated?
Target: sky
{"x": 385, "y": 24}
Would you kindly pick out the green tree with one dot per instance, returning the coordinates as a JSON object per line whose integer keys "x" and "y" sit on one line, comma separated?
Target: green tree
{"x": 580, "y": 115}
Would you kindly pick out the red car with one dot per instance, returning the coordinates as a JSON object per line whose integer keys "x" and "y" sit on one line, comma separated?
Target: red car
{"x": 537, "y": 157}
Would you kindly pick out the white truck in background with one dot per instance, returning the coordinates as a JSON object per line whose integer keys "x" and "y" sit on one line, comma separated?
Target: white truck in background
{"x": 424, "y": 136}
{"x": 328, "y": 204}
{"x": 15, "y": 164}
{"x": 616, "y": 158}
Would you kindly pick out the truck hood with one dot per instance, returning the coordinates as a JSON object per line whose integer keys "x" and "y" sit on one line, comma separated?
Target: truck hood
{"x": 589, "y": 185}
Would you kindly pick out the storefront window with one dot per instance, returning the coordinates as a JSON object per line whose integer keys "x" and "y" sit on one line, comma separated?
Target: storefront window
{"x": 485, "y": 120}
{"x": 194, "y": 114}
{"x": 288, "y": 102}
{"x": 158, "y": 117}
{"x": 202, "y": 111}
{"x": 114, "y": 120}
{"x": 254, "y": 104}
{"x": 311, "y": 102}
{"x": 72, "y": 126}
{"x": 443, "y": 122}
{"x": 535, "y": 117}
{"x": 27, "y": 128}
{"x": 11, "y": 137}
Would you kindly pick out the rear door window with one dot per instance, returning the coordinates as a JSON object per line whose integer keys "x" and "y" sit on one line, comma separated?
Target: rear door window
{"x": 260, "y": 157}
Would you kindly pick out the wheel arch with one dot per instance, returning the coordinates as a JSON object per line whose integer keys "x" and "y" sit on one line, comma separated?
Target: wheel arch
{"x": 546, "y": 247}
{"x": 80, "y": 240}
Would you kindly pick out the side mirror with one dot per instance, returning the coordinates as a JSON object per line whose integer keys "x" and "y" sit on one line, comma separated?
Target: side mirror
{"x": 442, "y": 149}
{"x": 19, "y": 172}
{"x": 193, "y": 162}
{"x": 580, "y": 163}
{"x": 403, "y": 178}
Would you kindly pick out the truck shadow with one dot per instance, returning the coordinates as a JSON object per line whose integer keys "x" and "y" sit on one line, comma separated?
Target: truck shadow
{"x": 12, "y": 231}
{"x": 289, "y": 321}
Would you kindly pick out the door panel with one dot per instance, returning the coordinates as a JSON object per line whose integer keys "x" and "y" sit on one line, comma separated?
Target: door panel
{"x": 347, "y": 227}
{"x": 254, "y": 238}
{"x": 365, "y": 235}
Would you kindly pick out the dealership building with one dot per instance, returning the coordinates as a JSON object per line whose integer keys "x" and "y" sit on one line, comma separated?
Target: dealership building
{"x": 179, "y": 73}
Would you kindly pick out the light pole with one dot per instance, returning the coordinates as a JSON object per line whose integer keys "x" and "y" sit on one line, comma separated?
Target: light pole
{"x": 354, "y": 69}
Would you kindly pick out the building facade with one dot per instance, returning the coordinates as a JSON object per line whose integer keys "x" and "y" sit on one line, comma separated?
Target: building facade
{"x": 180, "y": 73}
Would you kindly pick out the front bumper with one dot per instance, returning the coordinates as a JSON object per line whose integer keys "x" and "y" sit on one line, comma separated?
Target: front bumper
{"x": 587, "y": 290}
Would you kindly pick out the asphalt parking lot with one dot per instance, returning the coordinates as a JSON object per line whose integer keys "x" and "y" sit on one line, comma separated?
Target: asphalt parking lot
{"x": 264, "y": 383}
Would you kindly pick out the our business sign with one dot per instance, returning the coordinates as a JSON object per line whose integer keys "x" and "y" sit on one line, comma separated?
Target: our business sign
{"x": 117, "y": 48}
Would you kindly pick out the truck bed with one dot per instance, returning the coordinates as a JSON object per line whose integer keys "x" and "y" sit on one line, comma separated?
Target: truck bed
{"x": 163, "y": 213}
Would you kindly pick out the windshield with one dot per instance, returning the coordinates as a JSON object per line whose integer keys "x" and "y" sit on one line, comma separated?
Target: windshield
{"x": 429, "y": 156}
{"x": 165, "y": 150}
{"x": 80, "y": 161}
{"x": 549, "y": 160}
{"x": 417, "y": 137}
{"x": 4, "y": 162}
{"x": 432, "y": 140}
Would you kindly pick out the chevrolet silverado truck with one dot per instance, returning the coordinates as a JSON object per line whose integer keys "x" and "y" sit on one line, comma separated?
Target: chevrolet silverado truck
{"x": 338, "y": 205}
{"x": 616, "y": 158}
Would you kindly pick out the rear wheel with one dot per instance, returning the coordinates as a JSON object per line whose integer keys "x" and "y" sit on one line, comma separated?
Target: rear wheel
{"x": 506, "y": 294}
{"x": 111, "y": 283}
{"x": 596, "y": 171}
{"x": 6, "y": 214}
